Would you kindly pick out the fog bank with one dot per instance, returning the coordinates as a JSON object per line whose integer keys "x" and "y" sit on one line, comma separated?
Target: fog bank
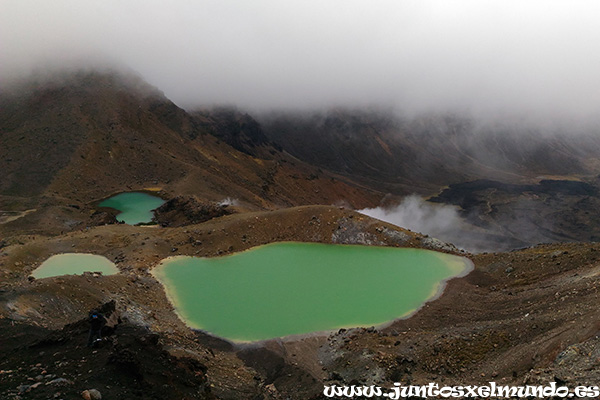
{"x": 536, "y": 57}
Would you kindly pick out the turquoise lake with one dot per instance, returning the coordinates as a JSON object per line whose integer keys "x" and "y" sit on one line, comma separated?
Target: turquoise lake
{"x": 135, "y": 207}
{"x": 293, "y": 288}
{"x": 74, "y": 264}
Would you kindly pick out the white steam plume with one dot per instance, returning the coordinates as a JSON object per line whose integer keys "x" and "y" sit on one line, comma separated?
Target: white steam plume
{"x": 415, "y": 214}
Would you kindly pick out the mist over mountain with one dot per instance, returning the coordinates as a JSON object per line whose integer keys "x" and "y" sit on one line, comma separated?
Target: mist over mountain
{"x": 73, "y": 137}
{"x": 515, "y": 183}
{"x": 533, "y": 60}
{"x": 431, "y": 150}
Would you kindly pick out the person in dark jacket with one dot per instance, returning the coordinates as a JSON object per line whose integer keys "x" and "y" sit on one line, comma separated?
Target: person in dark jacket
{"x": 97, "y": 321}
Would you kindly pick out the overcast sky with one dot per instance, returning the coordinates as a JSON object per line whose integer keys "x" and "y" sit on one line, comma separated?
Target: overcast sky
{"x": 538, "y": 56}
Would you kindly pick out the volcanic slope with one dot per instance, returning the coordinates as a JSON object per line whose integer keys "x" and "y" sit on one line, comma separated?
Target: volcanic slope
{"x": 515, "y": 184}
{"x": 70, "y": 140}
{"x": 420, "y": 154}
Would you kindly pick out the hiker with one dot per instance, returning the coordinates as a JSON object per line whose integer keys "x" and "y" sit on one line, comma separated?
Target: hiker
{"x": 97, "y": 321}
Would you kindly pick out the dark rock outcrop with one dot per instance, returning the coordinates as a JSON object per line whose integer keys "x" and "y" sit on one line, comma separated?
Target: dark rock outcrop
{"x": 181, "y": 211}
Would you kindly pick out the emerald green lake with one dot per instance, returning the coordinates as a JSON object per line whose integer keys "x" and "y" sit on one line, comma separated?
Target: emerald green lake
{"x": 74, "y": 264}
{"x": 135, "y": 207}
{"x": 291, "y": 288}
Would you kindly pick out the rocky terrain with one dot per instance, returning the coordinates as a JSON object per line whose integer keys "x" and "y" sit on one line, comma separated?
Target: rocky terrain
{"x": 49, "y": 313}
{"x": 550, "y": 210}
{"x": 524, "y": 316}
{"x": 421, "y": 153}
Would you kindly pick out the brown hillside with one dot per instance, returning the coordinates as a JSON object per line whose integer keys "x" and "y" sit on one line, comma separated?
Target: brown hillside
{"x": 86, "y": 136}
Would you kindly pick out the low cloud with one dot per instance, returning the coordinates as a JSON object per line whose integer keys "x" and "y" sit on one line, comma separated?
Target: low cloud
{"x": 485, "y": 57}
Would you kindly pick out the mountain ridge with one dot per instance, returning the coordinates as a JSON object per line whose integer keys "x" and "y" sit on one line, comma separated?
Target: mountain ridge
{"x": 428, "y": 151}
{"x": 94, "y": 119}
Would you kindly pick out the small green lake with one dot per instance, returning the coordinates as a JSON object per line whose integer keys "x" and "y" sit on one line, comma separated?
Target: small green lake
{"x": 135, "y": 207}
{"x": 74, "y": 264}
{"x": 293, "y": 288}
